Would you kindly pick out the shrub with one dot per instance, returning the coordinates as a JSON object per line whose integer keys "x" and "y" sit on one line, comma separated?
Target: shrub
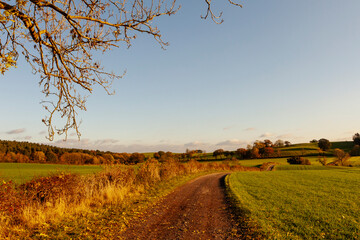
{"x": 149, "y": 172}
{"x": 322, "y": 160}
{"x": 50, "y": 188}
{"x": 298, "y": 160}
{"x": 341, "y": 158}
{"x": 11, "y": 201}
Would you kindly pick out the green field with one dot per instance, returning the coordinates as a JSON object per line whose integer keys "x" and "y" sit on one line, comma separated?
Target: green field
{"x": 22, "y": 172}
{"x": 311, "y": 204}
{"x": 283, "y": 161}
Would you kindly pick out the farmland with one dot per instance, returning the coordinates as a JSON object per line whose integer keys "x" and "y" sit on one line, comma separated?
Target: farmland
{"x": 316, "y": 202}
{"x": 23, "y": 172}
{"x": 310, "y": 204}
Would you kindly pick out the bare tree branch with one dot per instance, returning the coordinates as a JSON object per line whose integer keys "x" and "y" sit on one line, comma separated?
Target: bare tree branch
{"x": 59, "y": 37}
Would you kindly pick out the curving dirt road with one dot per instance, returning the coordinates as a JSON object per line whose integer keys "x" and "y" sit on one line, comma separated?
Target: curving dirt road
{"x": 196, "y": 210}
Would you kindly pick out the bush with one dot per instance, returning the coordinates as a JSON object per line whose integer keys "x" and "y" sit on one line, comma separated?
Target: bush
{"x": 341, "y": 157}
{"x": 298, "y": 160}
{"x": 11, "y": 201}
{"x": 322, "y": 160}
{"x": 50, "y": 188}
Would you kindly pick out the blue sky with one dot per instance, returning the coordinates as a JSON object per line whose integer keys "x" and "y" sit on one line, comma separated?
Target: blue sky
{"x": 273, "y": 70}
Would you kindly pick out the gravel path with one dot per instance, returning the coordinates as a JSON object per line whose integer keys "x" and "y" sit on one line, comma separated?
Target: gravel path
{"x": 196, "y": 210}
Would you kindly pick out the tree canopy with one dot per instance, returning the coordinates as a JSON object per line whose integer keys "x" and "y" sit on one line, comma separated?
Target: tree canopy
{"x": 58, "y": 39}
{"x": 324, "y": 144}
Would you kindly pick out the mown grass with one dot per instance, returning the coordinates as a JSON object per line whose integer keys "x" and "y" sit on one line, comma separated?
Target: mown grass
{"x": 310, "y": 204}
{"x": 282, "y": 161}
{"x": 23, "y": 172}
{"x": 300, "y": 167}
{"x": 355, "y": 161}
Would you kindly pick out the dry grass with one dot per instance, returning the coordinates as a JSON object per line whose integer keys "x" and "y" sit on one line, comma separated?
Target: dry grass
{"x": 35, "y": 205}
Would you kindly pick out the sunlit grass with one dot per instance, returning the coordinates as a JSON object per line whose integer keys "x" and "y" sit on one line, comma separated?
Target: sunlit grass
{"x": 23, "y": 172}
{"x": 310, "y": 204}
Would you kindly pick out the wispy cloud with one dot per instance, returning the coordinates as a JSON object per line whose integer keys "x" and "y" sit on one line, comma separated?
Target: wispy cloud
{"x": 16, "y": 131}
{"x": 197, "y": 145}
{"x": 265, "y": 135}
{"x": 42, "y": 132}
{"x": 228, "y": 128}
{"x": 249, "y": 129}
{"x": 231, "y": 143}
{"x": 343, "y": 139}
{"x": 115, "y": 145}
{"x": 286, "y": 136}
{"x": 27, "y": 137}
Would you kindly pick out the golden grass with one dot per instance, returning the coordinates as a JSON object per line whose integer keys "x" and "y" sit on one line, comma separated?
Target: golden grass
{"x": 49, "y": 200}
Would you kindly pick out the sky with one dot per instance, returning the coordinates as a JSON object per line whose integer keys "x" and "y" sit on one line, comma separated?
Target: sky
{"x": 273, "y": 70}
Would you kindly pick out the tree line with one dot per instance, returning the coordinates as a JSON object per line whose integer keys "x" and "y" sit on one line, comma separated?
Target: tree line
{"x": 259, "y": 149}
{"x": 26, "y": 152}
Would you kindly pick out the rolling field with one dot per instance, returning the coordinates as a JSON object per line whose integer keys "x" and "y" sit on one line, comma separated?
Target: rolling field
{"x": 282, "y": 161}
{"x": 311, "y": 204}
{"x": 355, "y": 161}
{"x": 22, "y": 172}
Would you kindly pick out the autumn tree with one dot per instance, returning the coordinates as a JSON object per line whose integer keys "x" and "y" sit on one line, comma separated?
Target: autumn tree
{"x": 109, "y": 159}
{"x": 241, "y": 153}
{"x": 279, "y": 143}
{"x": 39, "y": 157}
{"x": 341, "y": 157}
{"x": 268, "y": 152}
{"x": 254, "y": 153}
{"x": 136, "y": 158}
{"x": 60, "y": 39}
{"x": 259, "y": 144}
{"x": 51, "y": 157}
{"x": 268, "y": 143}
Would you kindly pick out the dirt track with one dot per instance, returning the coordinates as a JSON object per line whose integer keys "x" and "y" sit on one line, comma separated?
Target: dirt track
{"x": 196, "y": 210}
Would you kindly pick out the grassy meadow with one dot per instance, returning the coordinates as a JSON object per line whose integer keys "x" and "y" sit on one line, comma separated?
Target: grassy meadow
{"x": 23, "y": 172}
{"x": 318, "y": 203}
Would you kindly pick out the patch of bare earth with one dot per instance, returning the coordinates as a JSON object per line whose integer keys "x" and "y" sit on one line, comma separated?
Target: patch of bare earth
{"x": 196, "y": 210}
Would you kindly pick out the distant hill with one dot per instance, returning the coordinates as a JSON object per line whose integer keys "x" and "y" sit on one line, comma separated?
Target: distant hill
{"x": 312, "y": 149}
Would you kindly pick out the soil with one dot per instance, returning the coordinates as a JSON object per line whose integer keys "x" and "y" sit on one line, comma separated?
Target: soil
{"x": 196, "y": 210}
